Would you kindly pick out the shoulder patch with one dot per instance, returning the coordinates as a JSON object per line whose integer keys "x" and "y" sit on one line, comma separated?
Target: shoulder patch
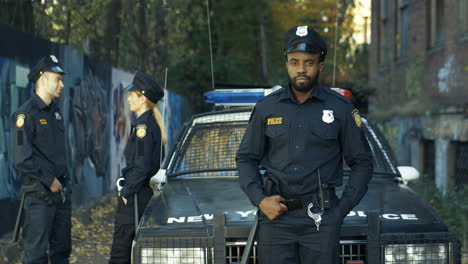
{"x": 141, "y": 131}
{"x": 357, "y": 118}
{"x": 20, "y": 120}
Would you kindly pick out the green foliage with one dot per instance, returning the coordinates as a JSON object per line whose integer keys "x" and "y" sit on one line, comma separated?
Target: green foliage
{"x": 150, "y": 35}
{"x": 452, "y": 207}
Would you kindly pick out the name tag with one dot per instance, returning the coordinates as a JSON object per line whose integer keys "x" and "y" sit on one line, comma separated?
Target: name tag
{"x": 43, "y": 121}
{"x": 275, "y": 121}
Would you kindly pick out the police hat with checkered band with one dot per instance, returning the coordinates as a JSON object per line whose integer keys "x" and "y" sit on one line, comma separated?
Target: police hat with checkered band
{"x": 305, "y": 38}
{"x": 144, "y": 84}
{"x": 46, "y": 64}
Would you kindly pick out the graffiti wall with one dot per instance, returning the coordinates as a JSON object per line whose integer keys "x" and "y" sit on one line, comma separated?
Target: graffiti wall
{"x": 94, "y": 108}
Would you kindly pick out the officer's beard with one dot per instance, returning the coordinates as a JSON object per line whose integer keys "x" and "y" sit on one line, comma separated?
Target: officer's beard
{"x": 304, "y": 86}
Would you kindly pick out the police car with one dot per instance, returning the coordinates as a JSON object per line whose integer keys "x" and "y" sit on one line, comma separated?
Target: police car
{"x": 199, "y": 214}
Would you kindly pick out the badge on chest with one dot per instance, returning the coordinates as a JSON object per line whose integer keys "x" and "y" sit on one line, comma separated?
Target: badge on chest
{"x": 327, "y": 116}
{"x": 20, "y": 120}
{"x": 141, "y": 131}
{"x": 275, "y": 121}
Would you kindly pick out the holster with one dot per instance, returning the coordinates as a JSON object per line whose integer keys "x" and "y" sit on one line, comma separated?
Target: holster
{"x": 32, "y": 186}
{"x": 323, "y": 199}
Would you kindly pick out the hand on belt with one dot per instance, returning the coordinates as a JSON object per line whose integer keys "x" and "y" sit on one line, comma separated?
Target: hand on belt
{"x": 303, "y": 201}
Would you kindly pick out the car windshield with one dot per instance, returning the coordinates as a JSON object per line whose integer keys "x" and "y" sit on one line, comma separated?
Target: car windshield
{"x": 209, "y": 147}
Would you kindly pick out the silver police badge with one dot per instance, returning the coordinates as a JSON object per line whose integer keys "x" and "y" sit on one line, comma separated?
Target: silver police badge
{"x": 57, "y": 116}
{"x": 301, "y": 31}
{"x": 327, "y": 116}
{"x": 53, "y": 58}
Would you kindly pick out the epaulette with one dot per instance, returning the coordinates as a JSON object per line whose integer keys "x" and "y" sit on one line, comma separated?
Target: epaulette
{"x": 336, "y": 94}
{"x": 275, "y": 93}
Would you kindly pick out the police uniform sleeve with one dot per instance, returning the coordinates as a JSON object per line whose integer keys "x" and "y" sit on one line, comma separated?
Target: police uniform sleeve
{"x": 22, "y": 130}
{"x": 358, "y": 156}
{"x": 144, "y": 159}
{"x": 248, "y": 158}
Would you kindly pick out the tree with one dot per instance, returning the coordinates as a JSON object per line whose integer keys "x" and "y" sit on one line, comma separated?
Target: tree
{"x": 19, "y": 13}
{"x": 247, "y": 38}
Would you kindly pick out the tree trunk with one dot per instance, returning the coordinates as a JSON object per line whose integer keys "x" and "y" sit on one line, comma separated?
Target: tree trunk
{"x": 263, "y": 42}
{"x": 18, "y": 14}
{"x": 112, "y": 32}
{"x": 143, "y": 31}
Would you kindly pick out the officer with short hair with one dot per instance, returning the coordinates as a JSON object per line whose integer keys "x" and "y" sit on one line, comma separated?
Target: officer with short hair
{"x": 300, "y": 135}
{"x": 39, "y": 156}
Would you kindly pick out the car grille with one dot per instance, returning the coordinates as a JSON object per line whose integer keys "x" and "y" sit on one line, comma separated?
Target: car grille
{"x": 350, "y": 250}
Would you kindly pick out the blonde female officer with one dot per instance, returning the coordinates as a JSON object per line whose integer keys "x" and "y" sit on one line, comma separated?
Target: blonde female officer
{"x": 142, "y": 155}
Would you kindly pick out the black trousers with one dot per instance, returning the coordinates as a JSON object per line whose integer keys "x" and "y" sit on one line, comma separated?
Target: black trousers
{"x": 298, "y": 243}
{"x": 124, "y": 230}
{"x": 46, "y": 231}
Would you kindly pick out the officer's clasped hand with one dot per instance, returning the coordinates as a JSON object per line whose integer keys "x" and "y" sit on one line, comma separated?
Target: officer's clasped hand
{"x": 272, "y": 208}
{"x": 56, "y": 186}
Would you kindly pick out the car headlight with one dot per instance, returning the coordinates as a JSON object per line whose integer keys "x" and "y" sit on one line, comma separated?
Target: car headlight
{"x": 173, "y": 255}
{"x": 416, "y": 253}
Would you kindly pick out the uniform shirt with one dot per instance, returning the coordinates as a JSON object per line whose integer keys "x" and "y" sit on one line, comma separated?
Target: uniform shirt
{"x": 292, "y": 140}
{"x": 38, "y": 141}
{"x": 142, "y": 154}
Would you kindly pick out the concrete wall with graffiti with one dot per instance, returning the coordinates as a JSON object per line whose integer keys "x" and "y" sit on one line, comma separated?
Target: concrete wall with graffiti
{"x": 95, "y": 111}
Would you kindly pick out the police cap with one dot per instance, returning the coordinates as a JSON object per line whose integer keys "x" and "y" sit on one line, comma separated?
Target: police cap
{"x": 144, "y": 84}
{"x": 305, "y": 38}
{"x": 46, "y": 64}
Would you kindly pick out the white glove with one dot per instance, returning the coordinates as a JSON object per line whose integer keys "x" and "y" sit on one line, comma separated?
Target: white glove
{"x": 157, "y": 180}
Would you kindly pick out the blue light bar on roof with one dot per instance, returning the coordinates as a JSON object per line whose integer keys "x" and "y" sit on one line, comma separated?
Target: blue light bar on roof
{"x": 237, "y": 96}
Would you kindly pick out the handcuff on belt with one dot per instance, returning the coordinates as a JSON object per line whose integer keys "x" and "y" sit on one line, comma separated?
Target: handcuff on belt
{"x": 317, "y": 216}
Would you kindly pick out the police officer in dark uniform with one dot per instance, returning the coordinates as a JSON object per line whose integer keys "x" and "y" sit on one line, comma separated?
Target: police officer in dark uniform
{"x": 39, "y": 156}
{"x": 143, "y": 155}
{"x": 300, "y": 135}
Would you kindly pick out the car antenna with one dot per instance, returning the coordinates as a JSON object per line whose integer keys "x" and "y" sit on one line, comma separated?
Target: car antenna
{"x": 163, "y": 116}
{"x": 209, "y": 38}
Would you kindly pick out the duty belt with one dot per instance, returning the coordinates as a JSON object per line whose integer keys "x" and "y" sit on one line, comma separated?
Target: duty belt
{"x": 303, "y": 201}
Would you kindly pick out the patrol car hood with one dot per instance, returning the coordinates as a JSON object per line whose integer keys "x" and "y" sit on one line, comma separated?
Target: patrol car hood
{"x": 192, "y": 203}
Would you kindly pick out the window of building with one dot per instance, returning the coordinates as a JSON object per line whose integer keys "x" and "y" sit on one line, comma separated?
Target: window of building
{"x": 461, "y": 164}
{"x": 401, "y": 28}
{"x": 436, "y": 23}
{"x": 383, "y": 30}
{"x": 429, "y": 158}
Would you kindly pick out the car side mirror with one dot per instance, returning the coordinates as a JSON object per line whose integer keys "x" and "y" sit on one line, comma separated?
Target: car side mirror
{"x": 408, "y": 173}
{"x": 158, "y": 179}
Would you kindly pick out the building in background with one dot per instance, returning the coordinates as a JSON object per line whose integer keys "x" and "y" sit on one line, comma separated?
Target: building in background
{"x": 419, "y": 67}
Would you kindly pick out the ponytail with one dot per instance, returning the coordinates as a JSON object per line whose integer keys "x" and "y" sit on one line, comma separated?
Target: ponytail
{"x": 160, "y": 121}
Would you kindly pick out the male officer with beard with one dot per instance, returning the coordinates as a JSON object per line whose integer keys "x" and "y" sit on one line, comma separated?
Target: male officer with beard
{"x": 300, "y": 135}
{"x": 39, "y": 156}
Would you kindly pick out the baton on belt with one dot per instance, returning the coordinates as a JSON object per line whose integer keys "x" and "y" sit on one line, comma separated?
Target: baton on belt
{"x": 267, "y": 186}
{"x": 135, "y": 207}
{"x": 26, "y": 189}
{"x": 250, "y": 241}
